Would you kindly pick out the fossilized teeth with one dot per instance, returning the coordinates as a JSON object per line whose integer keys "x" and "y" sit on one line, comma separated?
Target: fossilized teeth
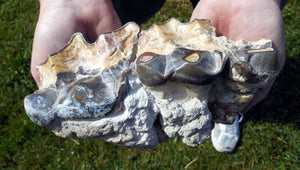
{"x": 137, "y": 89}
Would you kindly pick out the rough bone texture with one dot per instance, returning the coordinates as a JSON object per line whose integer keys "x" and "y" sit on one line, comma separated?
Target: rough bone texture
{"x": 137, "y": 89}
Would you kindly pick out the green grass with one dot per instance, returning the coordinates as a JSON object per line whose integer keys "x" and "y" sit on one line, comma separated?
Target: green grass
{"x": 271, "y": 138}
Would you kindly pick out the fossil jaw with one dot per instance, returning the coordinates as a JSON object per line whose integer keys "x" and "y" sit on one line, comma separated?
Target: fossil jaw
{"x": 137, "y": 89}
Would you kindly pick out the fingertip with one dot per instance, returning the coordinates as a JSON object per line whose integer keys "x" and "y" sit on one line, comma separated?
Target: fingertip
{"x": 36, "y": 77}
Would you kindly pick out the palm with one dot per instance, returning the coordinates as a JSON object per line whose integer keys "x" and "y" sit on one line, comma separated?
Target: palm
{"x": 57, "y": 23}
{"x": 238, "y": 19}
{"x": 249, "y": 20}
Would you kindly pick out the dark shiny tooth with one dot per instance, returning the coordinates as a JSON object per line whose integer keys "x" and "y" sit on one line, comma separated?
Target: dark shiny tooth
{"x": 151, "y": 71}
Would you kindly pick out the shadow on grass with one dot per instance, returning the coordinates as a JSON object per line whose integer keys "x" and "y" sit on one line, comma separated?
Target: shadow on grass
{"x": 282, "y": 103}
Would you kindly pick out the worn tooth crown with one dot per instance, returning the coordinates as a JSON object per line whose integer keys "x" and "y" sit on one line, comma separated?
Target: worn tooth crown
{"x": 137, "y": 89}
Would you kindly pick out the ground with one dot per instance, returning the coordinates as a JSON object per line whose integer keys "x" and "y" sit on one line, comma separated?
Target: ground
{"x": 270, "y": 138}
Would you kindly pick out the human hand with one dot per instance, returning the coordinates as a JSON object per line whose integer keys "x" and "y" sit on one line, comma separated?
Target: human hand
{"x": 249, "y": 20}
{"x": 59, "y": 20}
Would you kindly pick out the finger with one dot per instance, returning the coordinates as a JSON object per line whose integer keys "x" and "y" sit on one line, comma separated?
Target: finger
{"x": 97, "y": 17}
{"x": 50, "y": 36}
{"x": 260, "y": 94}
